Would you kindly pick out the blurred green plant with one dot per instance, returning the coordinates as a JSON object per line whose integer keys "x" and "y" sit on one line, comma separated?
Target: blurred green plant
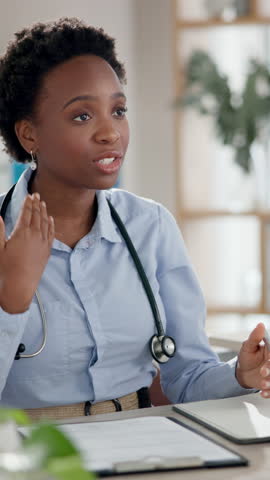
{"x": 45, "y": 453}
{"x": 240, "y": 118}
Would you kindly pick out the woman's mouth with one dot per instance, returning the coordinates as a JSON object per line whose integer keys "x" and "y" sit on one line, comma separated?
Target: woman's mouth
{"x": 106, "y": 161}
{"x": 109, "y": 165}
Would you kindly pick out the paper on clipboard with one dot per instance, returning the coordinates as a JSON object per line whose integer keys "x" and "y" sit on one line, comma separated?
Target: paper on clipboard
{"x": 146, "y": 443}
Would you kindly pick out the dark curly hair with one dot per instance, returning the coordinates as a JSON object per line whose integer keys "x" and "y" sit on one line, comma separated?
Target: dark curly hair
{"x": 35, "y": 52}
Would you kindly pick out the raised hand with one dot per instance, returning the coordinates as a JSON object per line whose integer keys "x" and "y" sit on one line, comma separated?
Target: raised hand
{"x": 253, "y": 369}
{"x": 24, "y": 255}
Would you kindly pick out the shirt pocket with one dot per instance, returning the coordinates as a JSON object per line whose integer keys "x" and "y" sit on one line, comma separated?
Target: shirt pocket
{"x": 53, "y": 360}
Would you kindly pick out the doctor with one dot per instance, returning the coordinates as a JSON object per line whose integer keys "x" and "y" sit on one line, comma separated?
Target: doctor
{"x": 63, "y": 108}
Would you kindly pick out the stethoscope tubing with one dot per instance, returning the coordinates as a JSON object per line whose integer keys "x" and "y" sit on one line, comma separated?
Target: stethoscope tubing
{"x": 140, "y": 269}
{"x": 44, "y": 328}
{"x": 137, "y": 262}
{"x": 41, "y": 309}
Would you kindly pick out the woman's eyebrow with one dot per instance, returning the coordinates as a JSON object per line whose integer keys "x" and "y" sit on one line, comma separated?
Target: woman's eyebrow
{"x": 92, "y": 98}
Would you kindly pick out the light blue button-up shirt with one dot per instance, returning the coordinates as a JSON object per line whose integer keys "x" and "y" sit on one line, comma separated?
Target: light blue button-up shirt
{"x": 99, "y": 319}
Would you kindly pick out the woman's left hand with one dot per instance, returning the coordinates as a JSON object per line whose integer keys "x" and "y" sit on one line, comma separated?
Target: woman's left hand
{"x": 253, "y": 368}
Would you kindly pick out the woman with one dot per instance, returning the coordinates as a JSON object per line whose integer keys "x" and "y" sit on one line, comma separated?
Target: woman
{"x": 63, "y": 107}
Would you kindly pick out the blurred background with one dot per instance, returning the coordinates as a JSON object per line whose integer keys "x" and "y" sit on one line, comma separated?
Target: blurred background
{"x": 199, "y": 133}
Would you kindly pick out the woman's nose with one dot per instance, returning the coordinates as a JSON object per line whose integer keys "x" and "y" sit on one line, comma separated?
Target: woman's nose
{"x": 107, "y": 134}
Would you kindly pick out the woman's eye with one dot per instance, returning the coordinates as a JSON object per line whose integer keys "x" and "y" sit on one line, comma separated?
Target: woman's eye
{"x": 120, "y": 112}
{"x": 82, "y": 118}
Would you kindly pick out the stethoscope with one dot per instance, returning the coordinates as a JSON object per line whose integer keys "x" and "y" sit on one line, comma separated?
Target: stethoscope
{"x": 162, "y": 346}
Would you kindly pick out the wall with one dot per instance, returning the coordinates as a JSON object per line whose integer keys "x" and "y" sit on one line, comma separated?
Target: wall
{"x": 156, "y": 148}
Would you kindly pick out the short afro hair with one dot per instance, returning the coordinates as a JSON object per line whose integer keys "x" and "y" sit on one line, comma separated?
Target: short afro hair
{"x": 36, "y": 51}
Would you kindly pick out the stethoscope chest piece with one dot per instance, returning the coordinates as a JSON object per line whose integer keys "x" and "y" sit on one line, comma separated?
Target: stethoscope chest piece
{"x": 162, "y": 348}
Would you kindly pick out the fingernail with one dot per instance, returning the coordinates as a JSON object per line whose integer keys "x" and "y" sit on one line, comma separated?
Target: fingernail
{"x": 266, "y": 384}
{"x": 265, "y": 372}
{"x": 36, "y": 195}
{"x": 266, "y": 394}
{"x": 43, "y": 203}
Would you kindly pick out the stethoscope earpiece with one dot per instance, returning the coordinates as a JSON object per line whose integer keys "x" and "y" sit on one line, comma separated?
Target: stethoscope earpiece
{"x": 162, "y": 348}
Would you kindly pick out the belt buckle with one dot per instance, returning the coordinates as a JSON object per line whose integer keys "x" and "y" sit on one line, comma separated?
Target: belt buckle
{"x": 87, "y": 408}
{"x": 88, "y": 404}
{"x": 117, "y": 404}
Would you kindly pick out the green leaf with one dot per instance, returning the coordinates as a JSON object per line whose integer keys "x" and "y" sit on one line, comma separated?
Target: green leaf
{"x": 68, "y": 468}
{"x": 243, "y": 159}
{"x": 61, "y": 458}
{"x": 18, "y": 416}
{"x": 188, "y": 100}
{"x": 239, "y": 117}
{"x": 54, "y": 442}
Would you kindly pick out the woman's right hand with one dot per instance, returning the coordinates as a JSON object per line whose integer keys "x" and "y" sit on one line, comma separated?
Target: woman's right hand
{"x": 24, "y": 255}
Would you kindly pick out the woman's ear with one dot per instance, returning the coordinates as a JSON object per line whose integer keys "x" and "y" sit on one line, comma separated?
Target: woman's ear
{"x": 26, "y": 135}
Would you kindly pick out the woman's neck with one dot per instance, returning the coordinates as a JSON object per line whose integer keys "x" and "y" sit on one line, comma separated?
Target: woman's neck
{"x": 74, "y": 210}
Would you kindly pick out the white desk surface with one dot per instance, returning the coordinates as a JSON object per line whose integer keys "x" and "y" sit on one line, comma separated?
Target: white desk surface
{"x": 258, "y": 454}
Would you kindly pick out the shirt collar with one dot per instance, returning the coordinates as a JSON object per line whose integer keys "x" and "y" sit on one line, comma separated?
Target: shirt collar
{"x": 104, "y": 226}
{"x": 18, "y": 196}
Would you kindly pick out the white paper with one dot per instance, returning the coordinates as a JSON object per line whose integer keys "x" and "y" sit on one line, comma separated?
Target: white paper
{"x": 140, "y": 439}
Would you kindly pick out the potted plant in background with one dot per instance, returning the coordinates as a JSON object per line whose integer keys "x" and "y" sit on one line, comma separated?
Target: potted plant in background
{"x": 228, "y": 10}
{"x": 46, "y": 453}
{"x": 241, "y": 118}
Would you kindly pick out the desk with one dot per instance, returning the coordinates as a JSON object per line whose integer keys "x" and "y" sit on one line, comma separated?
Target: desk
{"x": 258, "y": 455}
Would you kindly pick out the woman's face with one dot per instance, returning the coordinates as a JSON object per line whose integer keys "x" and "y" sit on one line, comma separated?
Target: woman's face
{"x": 81, "y": 124}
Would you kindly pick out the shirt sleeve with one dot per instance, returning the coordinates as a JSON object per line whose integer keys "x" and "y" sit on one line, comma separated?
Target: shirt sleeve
{"x": 11, "y": 331}
{"x": 194, "y": 373}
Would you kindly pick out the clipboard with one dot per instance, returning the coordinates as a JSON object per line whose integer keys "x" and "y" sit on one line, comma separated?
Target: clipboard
{"x": 243, "y": 420}
{"x": 200, "y": 451}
